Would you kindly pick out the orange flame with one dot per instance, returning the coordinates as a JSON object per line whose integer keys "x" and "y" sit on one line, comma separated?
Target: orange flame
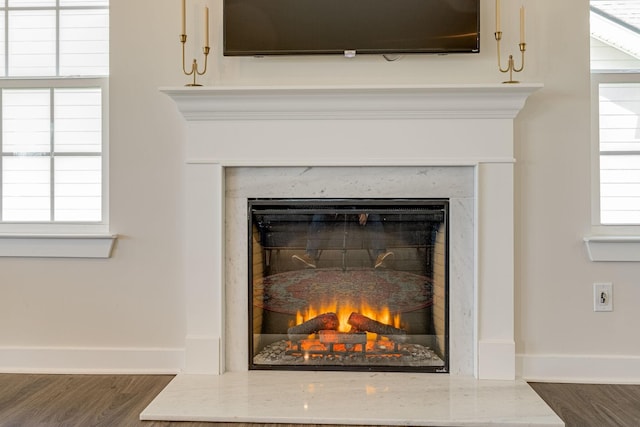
{"x": 344, "y": 310}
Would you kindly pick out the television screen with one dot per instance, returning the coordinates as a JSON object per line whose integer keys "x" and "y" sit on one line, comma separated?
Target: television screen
{"x": 285, "y": 27}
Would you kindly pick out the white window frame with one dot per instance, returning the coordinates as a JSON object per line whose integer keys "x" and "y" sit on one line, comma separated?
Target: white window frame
{"x": 607, "y": 242}
{"x": 63, "y": 239}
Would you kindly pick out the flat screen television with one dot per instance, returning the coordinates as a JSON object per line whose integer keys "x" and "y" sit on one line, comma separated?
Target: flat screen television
{"x": 287, "y": 27}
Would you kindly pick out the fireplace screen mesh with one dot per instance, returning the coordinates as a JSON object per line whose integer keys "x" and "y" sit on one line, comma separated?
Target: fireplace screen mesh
{"x": 348, "y": 284}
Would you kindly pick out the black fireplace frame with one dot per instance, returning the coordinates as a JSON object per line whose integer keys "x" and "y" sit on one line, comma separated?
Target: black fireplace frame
{"x": 307, "y": 206}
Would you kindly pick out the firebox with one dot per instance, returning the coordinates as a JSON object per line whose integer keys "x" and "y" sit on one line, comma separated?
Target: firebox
{"x": 349, "y": 284}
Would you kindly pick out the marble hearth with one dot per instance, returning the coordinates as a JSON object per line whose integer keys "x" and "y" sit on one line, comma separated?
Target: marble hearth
{"x": 452, "y": 142}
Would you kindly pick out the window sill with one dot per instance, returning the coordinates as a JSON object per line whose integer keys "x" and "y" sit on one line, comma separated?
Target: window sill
{"x": 613, "y": 248}
{"x": 57, "y": 245}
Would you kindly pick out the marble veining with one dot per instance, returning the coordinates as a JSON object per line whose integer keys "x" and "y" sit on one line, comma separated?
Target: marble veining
{"x": 350, "y": 398}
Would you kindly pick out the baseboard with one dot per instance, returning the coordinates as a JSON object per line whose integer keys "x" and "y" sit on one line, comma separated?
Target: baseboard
{"x": 71, "y": 360}
{"x": 579, "y": 369}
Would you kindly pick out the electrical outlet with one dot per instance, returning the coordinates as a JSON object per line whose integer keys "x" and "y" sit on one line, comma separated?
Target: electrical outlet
{"x": 602, "y": 297}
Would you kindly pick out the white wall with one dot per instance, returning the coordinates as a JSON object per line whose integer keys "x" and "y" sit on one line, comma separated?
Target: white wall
{"x": 123, "y": 313}
{"x": 558, "y": 335}
{"x": 126, "y": 313}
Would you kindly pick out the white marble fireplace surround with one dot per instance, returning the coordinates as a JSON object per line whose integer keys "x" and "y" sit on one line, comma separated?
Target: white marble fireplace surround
{"x": 439, "y": 141}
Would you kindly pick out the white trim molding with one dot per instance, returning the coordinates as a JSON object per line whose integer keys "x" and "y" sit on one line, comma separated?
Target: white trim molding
{"x": 495, "y": 101}
{"x": 613, "y": 248}
{"x": 57, "y": 246}
{"x": 91, "y": 360}
{"x": 593, "y": 369}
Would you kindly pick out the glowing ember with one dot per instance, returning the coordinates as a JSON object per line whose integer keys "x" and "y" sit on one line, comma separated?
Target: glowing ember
{"x": 331, "y": 344}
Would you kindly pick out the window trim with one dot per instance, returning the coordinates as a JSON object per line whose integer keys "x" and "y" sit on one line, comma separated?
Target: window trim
{"x": 63, "y": 239}
{"x": 69, "y": 227}
{"x": 607, "y": 242}
{"x": 613, "y": 248}
{"x": 57, "y": 246}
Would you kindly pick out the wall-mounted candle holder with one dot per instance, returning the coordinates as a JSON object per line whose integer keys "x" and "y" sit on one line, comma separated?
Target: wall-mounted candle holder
{"x": 195, "y": 72}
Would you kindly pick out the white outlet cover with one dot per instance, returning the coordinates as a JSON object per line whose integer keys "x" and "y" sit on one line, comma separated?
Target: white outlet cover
{"x": 602, "y": 297}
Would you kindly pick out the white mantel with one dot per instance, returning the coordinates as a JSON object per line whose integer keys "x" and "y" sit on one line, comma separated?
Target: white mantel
{"x": 384, "y": 126}
{"x": 497, "y": 101}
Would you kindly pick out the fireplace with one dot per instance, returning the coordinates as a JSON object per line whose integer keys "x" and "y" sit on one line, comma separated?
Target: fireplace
{"x": 450, "y": 142}
{"x": 348, "y": 284}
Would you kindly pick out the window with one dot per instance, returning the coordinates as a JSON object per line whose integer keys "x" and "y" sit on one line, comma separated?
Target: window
{"x": 615, "y": 67}
{"x": 615, "y": 75}
{"x": 54, "y": 65}
{"x": 619, "y": 135}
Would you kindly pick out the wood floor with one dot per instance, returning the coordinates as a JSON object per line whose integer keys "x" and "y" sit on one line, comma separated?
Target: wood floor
{"x": 117, "y": 400}
{"x": 586, "y": 405}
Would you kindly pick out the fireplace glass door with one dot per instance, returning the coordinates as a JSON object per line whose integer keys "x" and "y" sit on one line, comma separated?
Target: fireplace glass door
{"x": 348, "y": 284}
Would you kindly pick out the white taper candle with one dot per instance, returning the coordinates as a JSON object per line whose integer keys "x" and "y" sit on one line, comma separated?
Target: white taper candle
{"x": 184, "y": 16}
{"x": 522, "y": 24}
{"x": 206, "y": 26}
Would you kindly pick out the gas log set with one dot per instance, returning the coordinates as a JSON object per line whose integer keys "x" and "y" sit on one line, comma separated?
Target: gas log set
{"x": 318, "y": 341}
{"x": 332, "y": 342}
{"x": 327, "y": 325}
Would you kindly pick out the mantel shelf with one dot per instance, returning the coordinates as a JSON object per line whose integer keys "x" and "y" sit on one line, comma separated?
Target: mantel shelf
{"x": 482, "y": 101}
